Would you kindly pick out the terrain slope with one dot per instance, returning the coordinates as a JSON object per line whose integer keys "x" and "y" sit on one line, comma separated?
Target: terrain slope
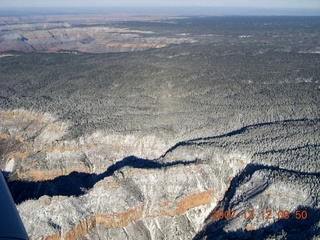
{"x": 151, "y": 142}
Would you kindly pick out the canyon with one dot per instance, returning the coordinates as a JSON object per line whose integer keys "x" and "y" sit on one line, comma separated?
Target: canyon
{"x": 145, "y": 128}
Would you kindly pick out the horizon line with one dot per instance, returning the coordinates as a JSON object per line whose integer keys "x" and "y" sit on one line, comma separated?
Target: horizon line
{"x": 178, "y": 10}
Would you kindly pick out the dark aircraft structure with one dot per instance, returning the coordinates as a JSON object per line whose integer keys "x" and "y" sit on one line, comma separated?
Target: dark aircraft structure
{"x": 11, "y": 226}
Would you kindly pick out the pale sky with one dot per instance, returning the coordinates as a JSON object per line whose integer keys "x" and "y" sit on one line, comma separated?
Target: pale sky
{"x": 312, "y": 4}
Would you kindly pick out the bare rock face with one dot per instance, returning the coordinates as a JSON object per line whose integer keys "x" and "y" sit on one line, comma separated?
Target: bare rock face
{"x": 175, "y": 194}
{"x": 89, "y": 39}
{"x": 36, "y": 138}
{"x": 218, "y": 139}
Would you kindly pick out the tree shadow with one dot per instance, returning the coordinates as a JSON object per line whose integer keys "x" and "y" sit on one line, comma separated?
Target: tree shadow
{"x": 76, "y": 183}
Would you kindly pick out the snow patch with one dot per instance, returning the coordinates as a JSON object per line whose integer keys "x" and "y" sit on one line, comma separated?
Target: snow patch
{"x": 9, "y": 166}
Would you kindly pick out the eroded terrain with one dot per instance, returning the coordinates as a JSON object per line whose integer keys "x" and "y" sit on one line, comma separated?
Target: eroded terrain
{"x": 148, "y": 144}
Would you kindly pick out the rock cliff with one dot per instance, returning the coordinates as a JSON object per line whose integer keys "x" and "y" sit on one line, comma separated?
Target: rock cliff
{"x": 62, "y": 185}
{"x": 214, "y": 139}
{"x": 91, "y": 39}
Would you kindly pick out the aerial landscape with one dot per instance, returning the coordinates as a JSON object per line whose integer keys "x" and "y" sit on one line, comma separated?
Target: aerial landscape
{"x": 162, "y": 123}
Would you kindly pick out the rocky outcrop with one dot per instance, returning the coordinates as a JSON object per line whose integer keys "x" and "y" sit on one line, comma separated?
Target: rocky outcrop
{"x": 156, "y": 144}
{"x": 172, "y": 195}
{"x": 34, "y": 139}
{"x": 91, "y": 39}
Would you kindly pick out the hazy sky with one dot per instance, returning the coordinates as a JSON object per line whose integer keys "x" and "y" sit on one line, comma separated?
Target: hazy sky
{"x": 165, "y": 3}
